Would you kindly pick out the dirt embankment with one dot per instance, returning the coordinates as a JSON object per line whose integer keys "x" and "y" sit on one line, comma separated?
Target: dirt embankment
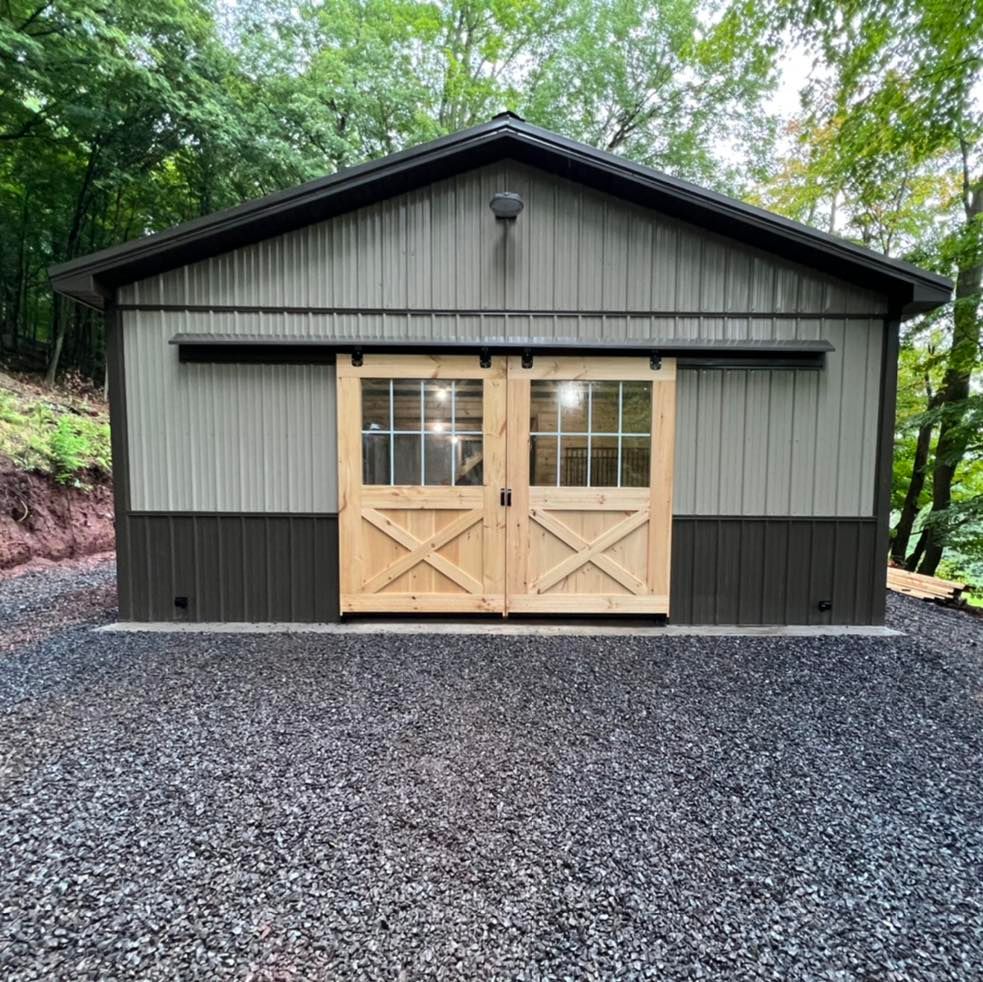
{"x": 42, "y": 519}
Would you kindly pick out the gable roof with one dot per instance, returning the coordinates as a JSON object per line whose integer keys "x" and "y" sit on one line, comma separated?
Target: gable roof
{"x": 92, "y": 279}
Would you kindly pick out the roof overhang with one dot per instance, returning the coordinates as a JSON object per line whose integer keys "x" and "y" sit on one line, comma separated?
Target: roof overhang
{"x": 91, "y": 279}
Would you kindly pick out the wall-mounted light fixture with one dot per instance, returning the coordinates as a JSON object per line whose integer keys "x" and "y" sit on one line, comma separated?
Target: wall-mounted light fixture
{"x": 506, "y": 204}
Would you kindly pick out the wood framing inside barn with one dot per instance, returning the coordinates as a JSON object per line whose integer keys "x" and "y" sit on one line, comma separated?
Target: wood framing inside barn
{"x": 373, "y": 394}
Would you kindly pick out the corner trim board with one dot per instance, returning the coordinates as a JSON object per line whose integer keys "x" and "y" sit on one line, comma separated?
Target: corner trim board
{"x": 119, "y": 443}
{"x": 885, "y": 448}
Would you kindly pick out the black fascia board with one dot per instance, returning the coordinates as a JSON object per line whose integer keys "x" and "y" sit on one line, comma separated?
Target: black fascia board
{"x": 89, "y": 278}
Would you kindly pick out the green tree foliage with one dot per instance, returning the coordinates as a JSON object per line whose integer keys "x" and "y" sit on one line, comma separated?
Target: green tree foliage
{"x": 890, "y": 151}
{"x": 97, "y": 102}
{"x": 659, "y": 81}
{"x": 124, "y": 118}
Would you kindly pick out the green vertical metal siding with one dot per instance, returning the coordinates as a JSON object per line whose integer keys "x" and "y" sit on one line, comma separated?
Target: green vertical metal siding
{"x": 227, "y": 438}
{"x": 783, "y": 442}
{"x": 440, "y": 247}
{"x": 262, "y": 438}
{"x": 576, "y": 265}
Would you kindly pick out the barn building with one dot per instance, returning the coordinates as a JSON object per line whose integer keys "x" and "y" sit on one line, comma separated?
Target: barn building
{"x": 501, "y": 373}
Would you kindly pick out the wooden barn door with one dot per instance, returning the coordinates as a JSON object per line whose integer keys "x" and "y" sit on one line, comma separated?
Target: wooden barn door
{"x": 421, "y": 457}
{"x": 590, "y": 450}
{"x": 505, "y": 489}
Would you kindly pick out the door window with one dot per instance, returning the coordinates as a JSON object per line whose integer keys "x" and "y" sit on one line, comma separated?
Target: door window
{"x": 590, "y": 434}
{"x": 422, "y": 432}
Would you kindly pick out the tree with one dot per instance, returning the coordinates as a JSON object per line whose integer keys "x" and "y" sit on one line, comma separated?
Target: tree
{"x": 895, "y": 102}
{"x": 655, "y": 81}
{"x": 97, "y": 98}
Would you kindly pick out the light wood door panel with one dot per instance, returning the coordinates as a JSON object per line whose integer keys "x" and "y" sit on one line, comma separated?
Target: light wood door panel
{"x": 418, "y": 548}
{"x": 461, "y": 549}
{"x": 589, "y": 549}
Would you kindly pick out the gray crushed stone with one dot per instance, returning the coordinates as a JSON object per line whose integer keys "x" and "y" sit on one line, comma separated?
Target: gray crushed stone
{"x": 35, "y": 592}
{"x": 944, "y": 628}
{"x": 327, "y": 807}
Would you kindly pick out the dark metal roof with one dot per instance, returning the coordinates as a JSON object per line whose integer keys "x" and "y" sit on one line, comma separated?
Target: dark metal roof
{"x": 91, "y": 279}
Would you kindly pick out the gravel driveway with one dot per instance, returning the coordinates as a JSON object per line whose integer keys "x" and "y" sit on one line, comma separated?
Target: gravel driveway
{"x": 288, "y": 807}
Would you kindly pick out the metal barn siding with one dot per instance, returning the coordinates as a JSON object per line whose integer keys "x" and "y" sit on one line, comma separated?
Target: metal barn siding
{"x": 440, "y": 248}
{"x": 774, "y": 442}
{"x": 765, "y": 457}
{"x": 226, "y": 438}
{"x": 406, "y": 268}
{"x": 748, "y": 442}
{"x": 233, "y": 568}
{"x": 776, "y": 571}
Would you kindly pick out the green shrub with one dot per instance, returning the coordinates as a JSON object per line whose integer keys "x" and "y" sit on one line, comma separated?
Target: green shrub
{"x": 53, "y": 439}
{"x": 68, "y": 450}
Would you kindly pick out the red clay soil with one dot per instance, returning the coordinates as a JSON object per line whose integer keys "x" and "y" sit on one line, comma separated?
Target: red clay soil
{"x": 41, "y": 519}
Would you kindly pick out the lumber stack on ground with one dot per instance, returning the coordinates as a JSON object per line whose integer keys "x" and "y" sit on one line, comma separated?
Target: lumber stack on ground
{"x": 924, "y": 587}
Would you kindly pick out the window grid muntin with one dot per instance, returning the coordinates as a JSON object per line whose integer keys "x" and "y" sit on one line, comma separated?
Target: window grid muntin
{"x": 559, "y": 433}
{"x": 422, "y": 432}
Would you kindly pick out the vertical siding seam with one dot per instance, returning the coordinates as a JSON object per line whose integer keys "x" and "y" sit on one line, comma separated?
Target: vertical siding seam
{"x": 788, "y": 553}
{"x": 242, "y": 563}
{"x": 769, "y": 463}
{"x": 696, "y": 440}
{"x": 149, "y": 569}
{"x": 765, "y": 526}
{"x": 728, "y": 261}
{"x": 739, "y": 565}
{"x": 717, "y": 591}
{"x": 692, "y": 568}
{"x": 222, "y": 576}
{"x": 196, "y": 568}
{"x": 821, "y": 382}
{"x": 742, "y": 503}
{"x": 839, "y": 423}
{"x": 720, "y": 444}
{"x": 863, "y": 470}
{"x": 172, "y": 557}
{"x": 266, "y": 568}
{"x": 701, "y": 280}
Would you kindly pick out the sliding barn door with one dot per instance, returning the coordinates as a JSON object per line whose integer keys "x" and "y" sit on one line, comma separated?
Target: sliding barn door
{"x": 590, "y": 450}
{"x": 421, "y": 455}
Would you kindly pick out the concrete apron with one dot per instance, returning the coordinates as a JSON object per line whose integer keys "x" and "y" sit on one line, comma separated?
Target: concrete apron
{"x": 507, "y": 628}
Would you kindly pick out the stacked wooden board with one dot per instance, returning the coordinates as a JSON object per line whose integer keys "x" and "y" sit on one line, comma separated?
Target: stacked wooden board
{"x": 924, "y": 587}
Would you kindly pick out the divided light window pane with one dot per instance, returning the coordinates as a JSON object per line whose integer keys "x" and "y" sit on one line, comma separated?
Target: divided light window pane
{"x": 422, "y": 432}
{"x": 590, "y": 434}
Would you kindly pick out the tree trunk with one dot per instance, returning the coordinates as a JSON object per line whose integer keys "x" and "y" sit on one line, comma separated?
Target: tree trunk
{"x": 59, "y": 320}
{"x": 909, "y": 511}
{"x": 955, "y": 389}
{"x": 917, "y": 552}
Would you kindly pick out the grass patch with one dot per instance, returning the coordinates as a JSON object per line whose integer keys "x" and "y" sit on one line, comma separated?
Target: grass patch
{"x": 67, "y": 439}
